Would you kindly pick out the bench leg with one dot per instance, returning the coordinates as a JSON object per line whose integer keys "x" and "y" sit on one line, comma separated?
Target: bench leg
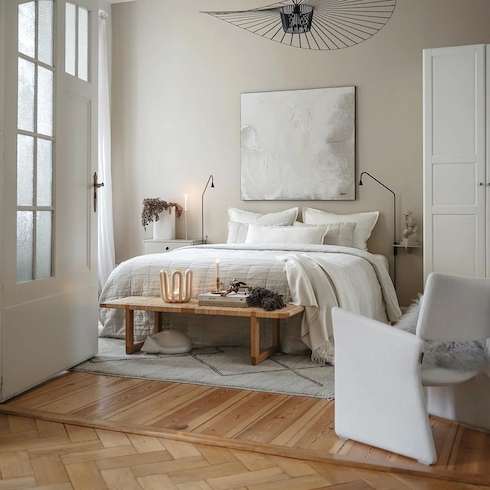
{"x": 131, "y": 347}
{"x": 257, "y": 356}
{"x": 156, "y": 322}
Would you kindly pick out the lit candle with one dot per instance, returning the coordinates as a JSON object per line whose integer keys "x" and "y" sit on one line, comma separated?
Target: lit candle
{"x": 217, "y": 268}
{"x": 185, "y": 203}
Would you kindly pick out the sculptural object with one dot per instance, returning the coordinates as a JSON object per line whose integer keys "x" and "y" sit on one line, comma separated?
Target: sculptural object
{"x": 410, "y": 231}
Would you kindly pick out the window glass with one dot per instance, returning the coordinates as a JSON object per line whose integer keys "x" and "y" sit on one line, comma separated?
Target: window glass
{"x": 83, "y": 43}
{"x": 70, "y": 39}
{"x": 43, "y": 244}
{"x": 44, "y": 172}
{"x": 27, "y": 29}
{"x": 45, "y": 34}
{"x": 25, "y": 110}
{"x": 44, "y": 101}
{"x": 25, "y": 245}
{"x": 25, "y": 170}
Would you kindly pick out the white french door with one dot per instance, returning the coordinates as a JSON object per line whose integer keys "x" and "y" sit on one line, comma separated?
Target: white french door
{"x": 49, "y": 296}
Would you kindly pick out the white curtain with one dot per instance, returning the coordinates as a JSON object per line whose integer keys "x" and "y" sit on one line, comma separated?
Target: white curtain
{"x": 106, "y": 253}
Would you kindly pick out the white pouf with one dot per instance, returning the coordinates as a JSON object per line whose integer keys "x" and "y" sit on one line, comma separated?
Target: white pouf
{"x": 167, "y": 342}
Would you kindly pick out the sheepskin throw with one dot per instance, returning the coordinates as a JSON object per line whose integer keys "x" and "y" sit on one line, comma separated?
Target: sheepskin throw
{"x": 462, "y": 356}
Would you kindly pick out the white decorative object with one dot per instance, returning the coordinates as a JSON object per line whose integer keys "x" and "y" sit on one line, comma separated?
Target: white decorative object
{"x": 167, "y": 341}
{"x": 176, "y": 288}
{"x": 164, "y": 228}
{"x": 298, "y": 145}
{"x": 410, "y": 231}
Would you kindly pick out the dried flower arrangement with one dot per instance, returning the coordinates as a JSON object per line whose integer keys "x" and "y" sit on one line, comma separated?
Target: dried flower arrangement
{"x": 153, "y": 207}
{"x": 265, "y": 298}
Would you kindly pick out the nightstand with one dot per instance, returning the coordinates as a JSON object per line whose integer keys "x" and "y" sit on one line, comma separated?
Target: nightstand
{"x": 161, "y": 246}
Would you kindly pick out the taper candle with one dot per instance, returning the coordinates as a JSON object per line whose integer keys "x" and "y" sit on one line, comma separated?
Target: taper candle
{"x": 185, "y": 203}
{"x": 217, "y": 268}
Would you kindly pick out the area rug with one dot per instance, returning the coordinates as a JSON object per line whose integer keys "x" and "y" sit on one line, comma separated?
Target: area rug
{"x": 227, "y": 367}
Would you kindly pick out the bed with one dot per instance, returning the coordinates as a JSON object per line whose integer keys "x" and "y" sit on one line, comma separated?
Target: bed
{"x": 315, "y": 276}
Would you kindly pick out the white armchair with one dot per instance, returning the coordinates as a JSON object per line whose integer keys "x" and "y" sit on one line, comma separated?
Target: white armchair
{"x": 379, "y": 394}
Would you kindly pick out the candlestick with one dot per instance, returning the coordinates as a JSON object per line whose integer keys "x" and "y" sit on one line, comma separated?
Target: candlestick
{"x": 185, "y": 215}
{"x": 217, "y": 285}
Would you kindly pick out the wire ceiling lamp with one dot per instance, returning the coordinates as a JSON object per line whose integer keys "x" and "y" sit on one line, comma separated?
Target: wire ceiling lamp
{"x": 314, "y": 24}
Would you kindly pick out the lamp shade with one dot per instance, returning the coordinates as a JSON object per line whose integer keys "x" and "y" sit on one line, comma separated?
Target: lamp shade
{"x": 296, "y": 19}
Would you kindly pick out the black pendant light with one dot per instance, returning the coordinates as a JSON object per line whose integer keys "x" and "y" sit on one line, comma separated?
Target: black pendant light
{"x": 296, "y": 19}
{"x": 314, "y": 24}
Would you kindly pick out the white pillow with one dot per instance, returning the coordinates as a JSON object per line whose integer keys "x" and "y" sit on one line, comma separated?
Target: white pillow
{"x": 364, "y": 227}
{"x": 239, "y": 215}
{"x": 237, "y": 232}
{"x": 341, "y": 234}
{"x": 313, "y": 235}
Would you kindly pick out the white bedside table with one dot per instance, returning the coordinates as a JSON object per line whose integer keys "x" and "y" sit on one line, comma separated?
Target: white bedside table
{"x": 161, "y": 246}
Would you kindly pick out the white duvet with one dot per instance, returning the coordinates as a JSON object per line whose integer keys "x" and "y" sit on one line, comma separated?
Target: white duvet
{"x": 315, "y": 276}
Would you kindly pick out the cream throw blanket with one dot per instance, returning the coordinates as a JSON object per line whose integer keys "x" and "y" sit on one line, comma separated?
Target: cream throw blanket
{"x": 319, "y": 284}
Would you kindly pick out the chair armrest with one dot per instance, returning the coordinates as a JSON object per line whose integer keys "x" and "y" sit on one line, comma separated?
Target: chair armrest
{"x": 379, "y": 398}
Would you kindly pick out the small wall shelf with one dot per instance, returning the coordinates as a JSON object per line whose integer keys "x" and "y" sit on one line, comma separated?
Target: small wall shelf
{"x": 408, "y": 248}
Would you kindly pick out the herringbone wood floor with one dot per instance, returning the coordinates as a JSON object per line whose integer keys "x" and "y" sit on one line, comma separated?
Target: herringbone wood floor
{"x": 272, "y": 424}
{"x": 49, "y": 455}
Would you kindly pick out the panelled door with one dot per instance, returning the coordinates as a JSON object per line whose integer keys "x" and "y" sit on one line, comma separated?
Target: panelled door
{"x": 455, "y": 181}
{"x": 49, "y": 316}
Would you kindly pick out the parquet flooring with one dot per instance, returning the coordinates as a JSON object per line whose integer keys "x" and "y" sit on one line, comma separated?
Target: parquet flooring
{"x": 44, "y": 455}
{"x": 268, "y": 424}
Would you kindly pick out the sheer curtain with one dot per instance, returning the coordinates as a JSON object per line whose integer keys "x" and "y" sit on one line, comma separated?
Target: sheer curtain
{"x": 106, "y": 252}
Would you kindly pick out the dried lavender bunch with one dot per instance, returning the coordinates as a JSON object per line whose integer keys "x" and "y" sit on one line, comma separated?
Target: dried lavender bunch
{"x": 265, "y": 298}
{"x": 153, "y": 207}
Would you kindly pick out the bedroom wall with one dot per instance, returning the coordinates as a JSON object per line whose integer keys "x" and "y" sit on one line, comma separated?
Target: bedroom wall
{"x": 177, "y": 80}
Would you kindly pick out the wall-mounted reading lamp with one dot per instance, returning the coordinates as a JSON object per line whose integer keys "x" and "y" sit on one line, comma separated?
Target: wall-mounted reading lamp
{"x": 394, "y": 221}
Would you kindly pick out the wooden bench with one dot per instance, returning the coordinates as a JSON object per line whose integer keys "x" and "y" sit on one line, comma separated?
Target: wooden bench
{"x": 157, "y": 305}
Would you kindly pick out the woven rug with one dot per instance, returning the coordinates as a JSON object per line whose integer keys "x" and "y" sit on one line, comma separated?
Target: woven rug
{"x": 227, "y": 367}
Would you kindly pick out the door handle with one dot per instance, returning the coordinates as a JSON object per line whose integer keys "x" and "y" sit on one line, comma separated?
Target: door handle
{"x": 96, "y": 186}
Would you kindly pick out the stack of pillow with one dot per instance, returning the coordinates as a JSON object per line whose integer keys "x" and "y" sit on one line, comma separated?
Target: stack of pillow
{"x": 318, "y": 227}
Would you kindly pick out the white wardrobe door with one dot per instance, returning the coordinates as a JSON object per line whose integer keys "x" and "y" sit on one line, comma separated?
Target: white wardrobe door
{"x": 454, "y": 161}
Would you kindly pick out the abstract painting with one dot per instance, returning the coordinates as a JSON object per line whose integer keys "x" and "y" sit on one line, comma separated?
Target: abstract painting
{"x": 298, "y": 145}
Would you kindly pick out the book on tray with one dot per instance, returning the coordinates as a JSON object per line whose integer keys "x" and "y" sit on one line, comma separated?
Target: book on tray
{"x": 236, "y": 300}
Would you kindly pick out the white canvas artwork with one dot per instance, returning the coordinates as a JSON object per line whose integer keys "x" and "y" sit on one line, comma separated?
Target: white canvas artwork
{"x": 298, "y": 145}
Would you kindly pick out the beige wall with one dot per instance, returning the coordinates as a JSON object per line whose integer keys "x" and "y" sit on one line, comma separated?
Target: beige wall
{"x": 177, "y": 80}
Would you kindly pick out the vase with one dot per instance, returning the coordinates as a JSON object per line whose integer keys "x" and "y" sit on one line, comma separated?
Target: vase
{"x": 164, "y": 228}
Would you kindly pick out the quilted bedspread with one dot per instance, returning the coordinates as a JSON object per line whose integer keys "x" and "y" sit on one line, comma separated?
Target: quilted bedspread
{"x": 256, "y": 265}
